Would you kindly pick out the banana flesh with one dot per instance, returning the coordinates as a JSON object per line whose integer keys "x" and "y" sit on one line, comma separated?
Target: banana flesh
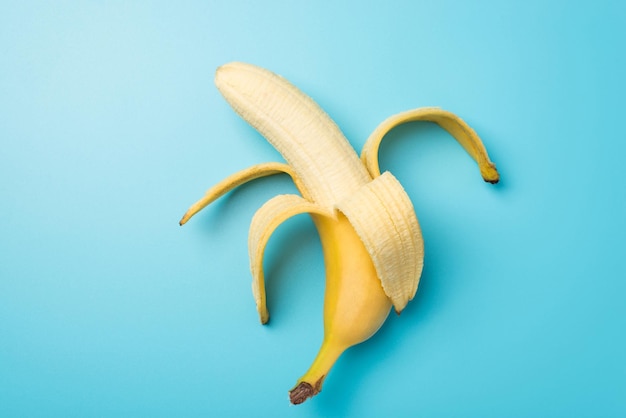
{"x": 297, "y": 127}
{"x": 371, "y": 239}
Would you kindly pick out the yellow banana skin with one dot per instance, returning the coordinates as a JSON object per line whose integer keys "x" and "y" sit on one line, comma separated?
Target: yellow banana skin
{"x": 355, "y": 305}
{"x": 371, "y": 239}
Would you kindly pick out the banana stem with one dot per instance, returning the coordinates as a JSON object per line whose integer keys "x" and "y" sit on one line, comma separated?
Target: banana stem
{"x": 311, "y": 383}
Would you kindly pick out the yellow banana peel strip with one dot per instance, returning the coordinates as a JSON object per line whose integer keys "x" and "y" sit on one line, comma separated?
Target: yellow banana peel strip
{"x": 274, "y": 212}
{"x": 382, "y": 215}
{"x": 456, "y": 126}
{"x": 239, "y": 178}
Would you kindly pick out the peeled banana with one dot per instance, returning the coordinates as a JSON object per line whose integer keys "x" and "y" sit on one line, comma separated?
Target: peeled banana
{"x": 371, "y": 239}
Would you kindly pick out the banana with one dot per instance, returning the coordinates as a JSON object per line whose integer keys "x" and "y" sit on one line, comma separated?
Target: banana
{"x": 371, "y": 239}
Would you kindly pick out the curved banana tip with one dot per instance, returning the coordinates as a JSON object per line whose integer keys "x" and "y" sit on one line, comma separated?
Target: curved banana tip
{"x": 304, "y": 391}
{"x": 189, "y": 214}
{"x": 264, "y": 317}
{"x": 231, "y": 74}
{"x": 490, "y": 173}
{"x": 220, "y": 70}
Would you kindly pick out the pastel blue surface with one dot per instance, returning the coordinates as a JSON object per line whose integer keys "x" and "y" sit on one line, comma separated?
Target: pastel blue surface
{"x": 110, "y": 127}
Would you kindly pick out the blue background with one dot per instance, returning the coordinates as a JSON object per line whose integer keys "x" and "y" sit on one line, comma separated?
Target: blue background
{"x": 110, "y": 127}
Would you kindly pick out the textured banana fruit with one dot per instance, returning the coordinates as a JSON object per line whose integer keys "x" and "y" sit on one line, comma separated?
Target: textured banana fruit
{"x": 371, "y": 240}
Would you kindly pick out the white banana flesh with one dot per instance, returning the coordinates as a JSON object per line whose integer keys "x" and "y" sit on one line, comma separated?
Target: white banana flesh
{"x": 371, "y": 239}
{"x": 297, "y": 127}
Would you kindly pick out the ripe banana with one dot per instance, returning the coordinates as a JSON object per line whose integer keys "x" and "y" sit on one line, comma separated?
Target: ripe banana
{"x": 371, "y": 239}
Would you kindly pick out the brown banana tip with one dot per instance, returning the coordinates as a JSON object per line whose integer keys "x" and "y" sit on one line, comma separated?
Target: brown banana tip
{"x": 489, "y": 172}
{"x": 304, "y": 391}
